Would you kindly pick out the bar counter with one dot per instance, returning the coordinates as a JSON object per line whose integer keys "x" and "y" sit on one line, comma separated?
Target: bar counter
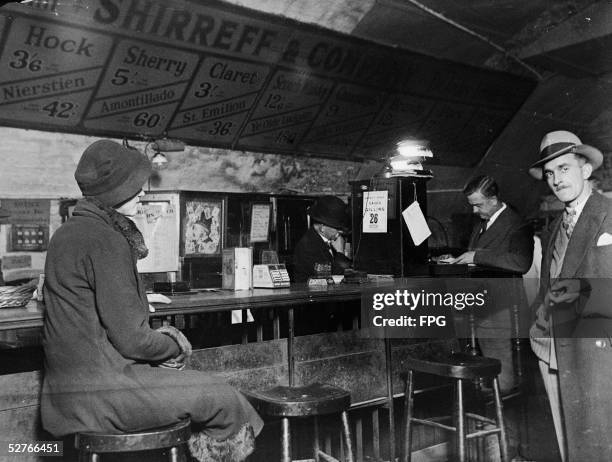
{"x": 369, "y": 368}
{"x": 215, "y": 300}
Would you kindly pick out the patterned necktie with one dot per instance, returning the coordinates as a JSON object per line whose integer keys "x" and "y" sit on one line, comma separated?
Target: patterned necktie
{"x": 483, "y": 226}
{"x": 569, "y": 218}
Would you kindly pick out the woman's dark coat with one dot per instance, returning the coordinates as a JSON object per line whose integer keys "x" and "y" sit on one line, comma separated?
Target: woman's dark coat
{"x": 100, "y": 351}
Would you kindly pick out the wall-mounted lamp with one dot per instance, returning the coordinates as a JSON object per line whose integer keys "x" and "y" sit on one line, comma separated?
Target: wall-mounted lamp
{"x": 411, "y": 154}
{"x": 159, "y": 159}
{"x": 413, "y": 148}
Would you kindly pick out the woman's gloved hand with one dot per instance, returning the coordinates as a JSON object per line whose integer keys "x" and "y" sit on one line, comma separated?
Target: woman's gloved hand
{"x": 183, "y": 343}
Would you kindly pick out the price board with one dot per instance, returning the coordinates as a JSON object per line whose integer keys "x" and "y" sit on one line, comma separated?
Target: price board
{"x": 216, "y": 74}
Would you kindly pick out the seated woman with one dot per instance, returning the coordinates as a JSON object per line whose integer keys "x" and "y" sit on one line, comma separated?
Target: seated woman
{"x": 102, "y": 359}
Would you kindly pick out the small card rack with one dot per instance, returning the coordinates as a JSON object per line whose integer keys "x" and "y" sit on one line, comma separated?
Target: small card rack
{"x": 270, "y": 276}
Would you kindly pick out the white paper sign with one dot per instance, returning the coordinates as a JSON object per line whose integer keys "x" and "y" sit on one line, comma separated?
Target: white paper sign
{"x": 374, "y": 212}
{"x": 237, "y": 316}
{"x": 158, "y": 221}
{"x": 417, "y": 225}
{"x": 260, "y": 222}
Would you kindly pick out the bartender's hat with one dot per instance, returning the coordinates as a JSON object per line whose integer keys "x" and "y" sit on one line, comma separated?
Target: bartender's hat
{"x": 560, "y": 142}
{"x": 111, "y": 172}
{"x": 331, "y": 211}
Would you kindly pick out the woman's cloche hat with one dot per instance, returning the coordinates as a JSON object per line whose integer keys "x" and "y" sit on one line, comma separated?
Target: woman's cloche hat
{"x": 331, "y": 211}
{"x": 111, "y": 172}
{"x": 557, "y": 143}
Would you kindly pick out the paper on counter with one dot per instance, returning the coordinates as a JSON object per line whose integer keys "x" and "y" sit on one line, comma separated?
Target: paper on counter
{"x": 417, "y": 225}
{"x": 237, "y": 316}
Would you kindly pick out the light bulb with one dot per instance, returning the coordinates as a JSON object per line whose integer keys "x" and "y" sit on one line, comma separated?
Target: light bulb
{"x": 409, "y": 148}
{"x": 159, "y": 161}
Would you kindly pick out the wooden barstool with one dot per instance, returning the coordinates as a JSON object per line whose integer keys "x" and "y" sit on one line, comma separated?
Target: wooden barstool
{"x": 308, "y": 401}
{"x": 459, "y": 367}
{"x": 312, "y": 400}
{"x": 91, "y": 445}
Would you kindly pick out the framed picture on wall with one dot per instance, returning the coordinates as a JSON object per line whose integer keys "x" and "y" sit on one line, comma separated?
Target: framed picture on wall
{"x": 203, "y": 226}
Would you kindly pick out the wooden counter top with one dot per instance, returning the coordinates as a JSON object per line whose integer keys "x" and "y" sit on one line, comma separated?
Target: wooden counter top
{"x": 206, "y": 301}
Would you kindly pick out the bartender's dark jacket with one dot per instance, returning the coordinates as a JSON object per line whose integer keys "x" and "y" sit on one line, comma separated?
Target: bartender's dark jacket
{"x": 100, "y": 353}
{"x": 507, "y": 244}
{"x": 312, "y": 249}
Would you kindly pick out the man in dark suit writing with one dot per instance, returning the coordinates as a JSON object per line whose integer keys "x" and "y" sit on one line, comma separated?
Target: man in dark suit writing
{"x": 572, "y": 334}
{"x": 501, "y": 245}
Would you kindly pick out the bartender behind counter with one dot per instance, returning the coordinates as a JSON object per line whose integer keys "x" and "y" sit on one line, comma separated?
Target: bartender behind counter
{"x": 329, "y": 218}
{"x": 501, "y": 245}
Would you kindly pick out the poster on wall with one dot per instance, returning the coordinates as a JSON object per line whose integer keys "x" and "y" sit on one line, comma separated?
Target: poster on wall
{"x": 157, "y": 219}
{"x": 203, "y": 227}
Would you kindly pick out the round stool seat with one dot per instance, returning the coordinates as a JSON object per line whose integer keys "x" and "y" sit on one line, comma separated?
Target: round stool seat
{"x": 155, "y": 438}
{"x": 309, "y": 400}
{"x": 456, "y": 366}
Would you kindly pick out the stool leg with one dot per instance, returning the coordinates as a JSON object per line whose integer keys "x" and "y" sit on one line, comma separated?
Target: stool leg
{"x": 346, "y": 431}
{"x": 408, "y": 409}
{"x": 460, "y": 421}
{"x": 503, "y": 442}
{"x": 315, "y": 443}
{"x": 285, "y": 441}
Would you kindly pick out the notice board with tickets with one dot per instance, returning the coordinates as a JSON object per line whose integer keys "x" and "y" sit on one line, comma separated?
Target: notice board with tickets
{"x": 215, "y": 74}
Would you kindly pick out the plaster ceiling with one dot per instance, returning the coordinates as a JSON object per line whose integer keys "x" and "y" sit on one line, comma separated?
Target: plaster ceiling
{"x": 544, "y": 28}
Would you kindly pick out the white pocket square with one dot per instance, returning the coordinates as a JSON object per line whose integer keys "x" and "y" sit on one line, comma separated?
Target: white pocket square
{"x": 604, "y": 239}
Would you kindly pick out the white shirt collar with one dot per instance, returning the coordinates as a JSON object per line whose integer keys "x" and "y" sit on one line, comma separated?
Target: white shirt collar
{"x": 495, "y": 215}
{"x": 327, "y": 241}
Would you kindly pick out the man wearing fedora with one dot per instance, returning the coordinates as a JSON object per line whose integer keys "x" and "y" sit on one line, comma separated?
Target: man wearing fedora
{"x": 572, "y": 333}
{"x": 329, "y": 217}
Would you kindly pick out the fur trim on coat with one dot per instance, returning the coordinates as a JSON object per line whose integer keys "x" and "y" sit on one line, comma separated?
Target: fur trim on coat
{"x": 236, "y": 448}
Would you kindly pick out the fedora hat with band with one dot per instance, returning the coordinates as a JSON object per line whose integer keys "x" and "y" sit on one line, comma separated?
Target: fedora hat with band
{"x": 331, "y": 211}
{"x": 560, "y": 142}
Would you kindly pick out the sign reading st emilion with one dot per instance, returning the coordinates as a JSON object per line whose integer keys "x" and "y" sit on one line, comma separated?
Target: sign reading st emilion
{"x": 215, "y": 74}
